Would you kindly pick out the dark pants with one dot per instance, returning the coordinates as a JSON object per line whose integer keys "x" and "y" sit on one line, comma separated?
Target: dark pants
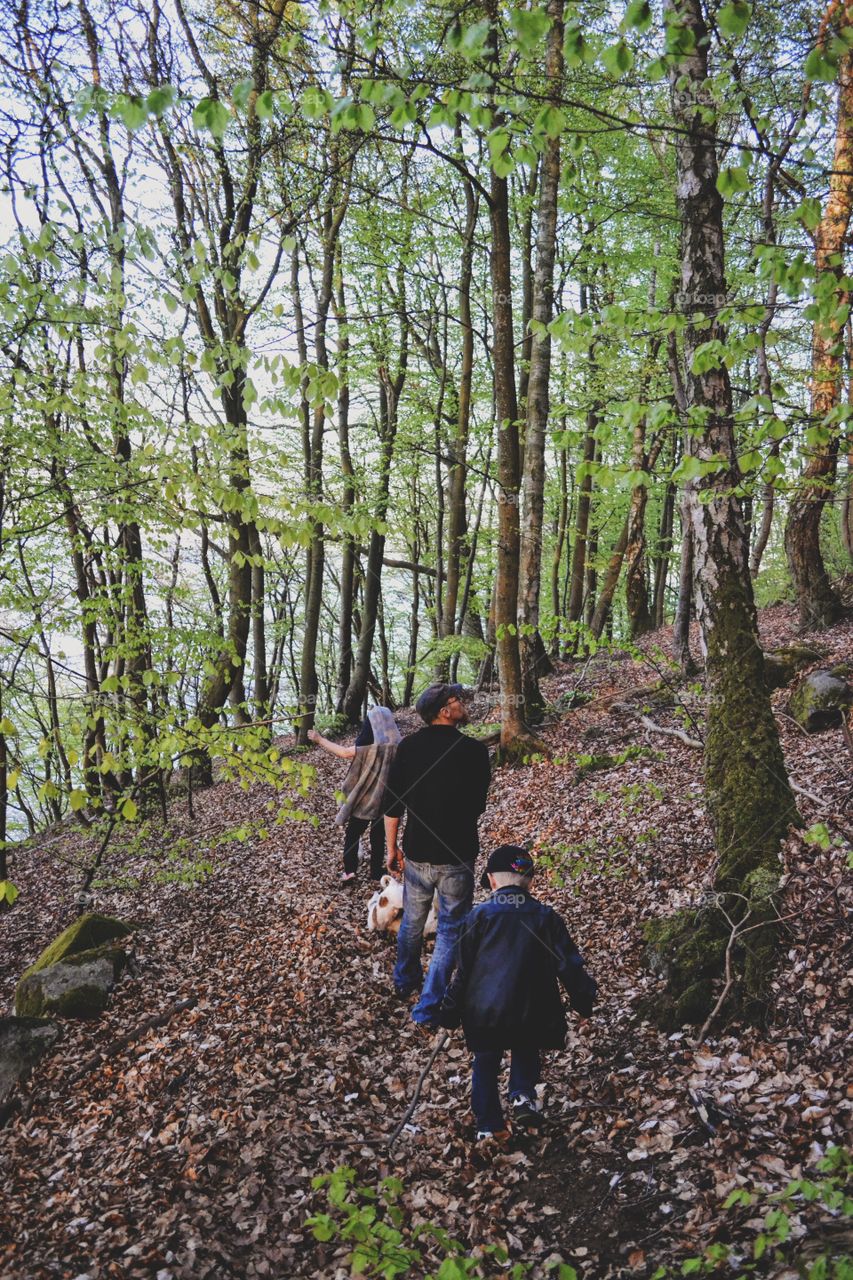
{"x": 356, "y": 828}
{"x": 485, "y": 1098}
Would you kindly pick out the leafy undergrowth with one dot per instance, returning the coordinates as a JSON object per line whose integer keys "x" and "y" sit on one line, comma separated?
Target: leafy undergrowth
{"x": 191, "y": 1150}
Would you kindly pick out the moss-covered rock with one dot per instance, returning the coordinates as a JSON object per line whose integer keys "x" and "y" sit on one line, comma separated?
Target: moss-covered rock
{"x": 89, "y": 932}
{"x": 694, "y": 1004}
{"x": 685, "y": 947}
{"x": 820, "y": 700}
{"x": 781, "y": 665}
{"x": 22, "y": 1042}
{"x": 70, "y": 989}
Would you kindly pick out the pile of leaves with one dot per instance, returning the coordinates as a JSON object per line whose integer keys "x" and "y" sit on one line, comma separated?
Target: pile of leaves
{"x": 257, "y": 1042}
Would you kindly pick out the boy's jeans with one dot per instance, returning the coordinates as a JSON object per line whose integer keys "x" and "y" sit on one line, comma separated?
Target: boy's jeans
{"x": 455, "y": 886}
{"x": 485, "y": 1099}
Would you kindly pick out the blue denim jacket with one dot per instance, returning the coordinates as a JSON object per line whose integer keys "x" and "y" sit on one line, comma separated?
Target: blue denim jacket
{"x": 513, "y": 951}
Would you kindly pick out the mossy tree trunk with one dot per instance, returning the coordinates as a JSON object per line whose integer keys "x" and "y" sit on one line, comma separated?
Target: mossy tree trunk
{"x": 749, "y": 799}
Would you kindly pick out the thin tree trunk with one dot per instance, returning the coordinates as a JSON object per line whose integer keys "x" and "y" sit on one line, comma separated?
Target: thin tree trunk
{"x": 514, "y": 733}
{"x": 457, "y": 517}
{"x": 534, "y": 660}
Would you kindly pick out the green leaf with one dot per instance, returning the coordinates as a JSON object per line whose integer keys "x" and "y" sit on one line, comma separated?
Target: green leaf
{"x": 617, "y": 59}
{"x": 212, "y": 116}
{"x": 732, "y": 178}
{"x": 689, "y": 468}
{"x": 638, "y": 16}
{"x": 77, "y": 800}
{"x": 241, "y": 93}
{"x": 819, "y": 67}
{"x": 530, "y": 27}
{"x": 7, "y": 728}
{"x": 734, "y": 17}
{"x": 8, "y": 892}
{"x": 818, "y": 835}
{"x": 132, "y": 112}
{"x": 264, "y": 105}
{"x": 129, "y": 810}
{"x": 160, "y": 100}
{"x": 316, "y": 102}
{"x": 472, "y": 39}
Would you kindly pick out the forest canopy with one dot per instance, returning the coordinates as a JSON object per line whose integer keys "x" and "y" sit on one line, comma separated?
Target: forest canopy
{"x": 347, "y": 346}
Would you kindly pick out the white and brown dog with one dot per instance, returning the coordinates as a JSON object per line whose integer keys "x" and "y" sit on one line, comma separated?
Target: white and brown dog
{"x": 385, "y": 909}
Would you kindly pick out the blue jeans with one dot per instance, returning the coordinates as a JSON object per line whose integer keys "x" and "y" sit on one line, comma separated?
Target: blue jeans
{"x": 485, "y": 1099}
{"x": 455, "y": 886}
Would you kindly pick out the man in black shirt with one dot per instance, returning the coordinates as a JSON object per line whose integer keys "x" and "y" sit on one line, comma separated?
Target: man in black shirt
{"x": 439, "y": 778}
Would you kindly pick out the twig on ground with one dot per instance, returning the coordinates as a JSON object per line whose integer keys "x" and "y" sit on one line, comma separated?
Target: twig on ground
{"x": 122, "y": 1042}
{"x": 734, "y": 935}
{"x": 658, "y": 728}
{"x": 440, "y": 1042}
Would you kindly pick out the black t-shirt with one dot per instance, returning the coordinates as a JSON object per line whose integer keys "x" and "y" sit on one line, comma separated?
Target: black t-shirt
{"x": 439, "y": 778}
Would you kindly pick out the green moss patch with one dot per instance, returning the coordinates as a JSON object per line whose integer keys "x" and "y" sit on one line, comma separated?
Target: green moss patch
{"x": 88, "y": 933}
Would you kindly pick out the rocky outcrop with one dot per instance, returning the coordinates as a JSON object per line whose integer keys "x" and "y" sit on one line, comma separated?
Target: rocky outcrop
{"x": 75, "y": 988}
{"x": 74, "y": 975}
{"x": 821, "y": 700}
{"x": 783, "y": 664}
{"x": 22, "y": 1042}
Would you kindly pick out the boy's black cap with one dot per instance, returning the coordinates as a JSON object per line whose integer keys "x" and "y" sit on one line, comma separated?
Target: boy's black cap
{"x": 433, "y": 699}
{"x": 507, "y": 857}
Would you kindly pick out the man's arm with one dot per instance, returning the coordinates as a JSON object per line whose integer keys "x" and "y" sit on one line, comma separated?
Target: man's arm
{"x": 393, "y": 807}
{"x": 395, "y": 860}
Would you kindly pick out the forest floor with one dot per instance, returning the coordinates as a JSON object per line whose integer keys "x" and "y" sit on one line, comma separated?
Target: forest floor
{"x": 188, "y": 1150}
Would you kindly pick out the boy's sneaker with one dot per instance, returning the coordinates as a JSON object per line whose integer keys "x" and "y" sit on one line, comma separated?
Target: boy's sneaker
{"x": 525, "y": 1113}
{"x": 493, "y": 1135}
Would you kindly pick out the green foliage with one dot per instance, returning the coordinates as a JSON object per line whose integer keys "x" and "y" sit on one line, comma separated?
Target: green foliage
{"x": 785, "y": 1215}
{"x": 374, "y": 1222}
{"x": 9, "y": 894}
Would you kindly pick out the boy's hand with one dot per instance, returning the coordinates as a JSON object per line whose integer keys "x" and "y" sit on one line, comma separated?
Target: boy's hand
{"x": 312, "y": 735}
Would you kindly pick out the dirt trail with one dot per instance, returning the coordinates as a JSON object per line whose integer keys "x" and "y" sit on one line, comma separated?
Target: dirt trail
{"x": 190, "y": 1152}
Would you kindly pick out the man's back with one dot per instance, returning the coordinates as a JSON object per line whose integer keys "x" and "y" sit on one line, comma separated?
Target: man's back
{"x": 440, "y": 779}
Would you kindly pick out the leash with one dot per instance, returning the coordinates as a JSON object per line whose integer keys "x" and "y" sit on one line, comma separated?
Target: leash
{"x": 440, "y": 1041}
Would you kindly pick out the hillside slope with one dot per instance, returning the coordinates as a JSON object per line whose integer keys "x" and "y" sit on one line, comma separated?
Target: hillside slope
{"x": 188, "y": 1151}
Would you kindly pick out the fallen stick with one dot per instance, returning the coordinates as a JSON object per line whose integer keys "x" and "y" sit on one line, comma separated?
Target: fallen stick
{"x": 122, "y": 1042}
{"x": 658, "y": 728}
{"x": 440, "y": 1042}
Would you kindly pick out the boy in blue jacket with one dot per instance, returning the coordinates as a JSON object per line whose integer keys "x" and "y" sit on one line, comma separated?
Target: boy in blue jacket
{"x": 512, "y": 951}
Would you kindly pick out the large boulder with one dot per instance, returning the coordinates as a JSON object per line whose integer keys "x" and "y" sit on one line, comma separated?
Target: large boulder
{"x": 782, "y": 665}
{"x": 74, "y": 975}
{"x": 75, "y": 988}
{"x": 820, "y": 701}
{"x": 89, "y": 932}
{"x": 22, "y": 1042}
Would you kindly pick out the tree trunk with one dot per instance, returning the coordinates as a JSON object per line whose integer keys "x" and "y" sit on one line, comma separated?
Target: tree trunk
{"x": 456, "y": 516}
{"x": 534, "y": 659}
{"x": 819, "y": 604}
{"x": 749, "y": 798}
{"x": 515, "y": 737}
{"x": 347, "y": 501}
{"x": 584, "y": 502}
{"x": 662, "y": 553}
